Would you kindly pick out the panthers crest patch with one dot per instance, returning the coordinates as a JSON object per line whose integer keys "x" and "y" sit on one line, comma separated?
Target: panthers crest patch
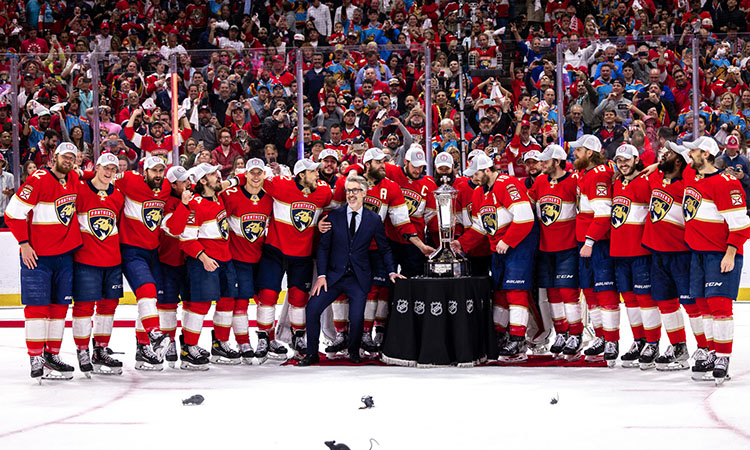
{"x": 620, "y": 211}
{"x": 550, "y": 208}
{"x": 102, "y": 222}
{"x": 302, "y": 215}
{"x": 488, "y": 216}
{"x": 152, "y": 213}
{"x": 65, "y": 207}
{"x": 691, "y": 203}
{"x": 661, "y": 202}
{"x": 253, "y": 226}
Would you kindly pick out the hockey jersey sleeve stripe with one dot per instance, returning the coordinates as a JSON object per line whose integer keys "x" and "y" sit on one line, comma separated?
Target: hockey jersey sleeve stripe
{"x": 209, "y": 230}
{"x": 18, "y": 209}
{"x": 399, "y": 215}
{"x": 601, "y": 207}
{"x": 521, "y": 212}
{"x": 45, "y": 214}
{"x": 132, "y": 209}
{"x": 234, "y": 225}
{"x": 190, "y": 233}
{"x": 585, "y": 205}
{"x": 736, "y": 219}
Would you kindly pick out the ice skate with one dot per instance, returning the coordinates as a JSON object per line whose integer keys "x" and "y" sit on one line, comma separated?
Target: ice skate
{"x": 514, "y": 351}
{"x": 379, "y": 338}
{"x": 299, "y": 344}
{"x": 159, "y": 343}
{"x": 502, "y": 340}
{"x": 611, "y": 351}
{"x": 222, "y": 353}
{"x": 84, "y": 362}
{"x": 104, "y": 364}
{"x": 191, "y": 357}
{"x": 247, "y": 353}
{"x": 55, "y": 368}
{"x": 337, "y": 349}
{"x": 647, "y": 359}
{"x": 171, "y": 354}
{"x": 37, "y": 367}
{"x": 277, "y": 351}
{"x": 595, "y": 350}
{"x": 264, "y": 344}
{"x": 721, "y": 370}
{"x": 538, "y": 348}
{"x": 674, "y": 358}
{"x": 630, "y": 358}
{"x": 703, "y": 368}
{"x": 367, "y": 344}
{"x": 572, "y": 349}
{"x": 146, "y": 359}
{"x": 557, "y": 347}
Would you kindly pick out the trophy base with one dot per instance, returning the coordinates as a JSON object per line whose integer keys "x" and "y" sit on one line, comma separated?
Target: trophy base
{"x": 447, "y": 269}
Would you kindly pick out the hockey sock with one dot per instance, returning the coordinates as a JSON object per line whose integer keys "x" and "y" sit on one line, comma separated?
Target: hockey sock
{"x": 595, "y": 312}
{"x": 500, "y": 314}
{"x": 192, "y": 320}
{"x": 609, "y": 302}
{"x": 721, "y": 310}
{"x": 634, "y": 315}
{"x": 36, "y": 328}
{"x": 82, "y": 312}
{"x": 371, "y": 309}
{"x": 557, "y": 308}
{"x": 240, "y": 324}
{"x": 146, "y": 299}
{"x": 572, "y": 302}
{"x": 297, "y": 302}
{"x": 708, "y": 322}
{"x": 381, "y": 313}
{"x": 56, "y": 327}
{"x": 168, "y": 318}
{"x": 671, "y": 316}
{"x": 518, "y": 316}
{"x": 340, "y": 309}
{"x": 650, "y": 317}
{"x": 223, "y": 318}
{"x": 266, "y": 315}
{"x": 140, "y": 334}
{"x": 104, "y": 321}
{"x": 696, "y": 324}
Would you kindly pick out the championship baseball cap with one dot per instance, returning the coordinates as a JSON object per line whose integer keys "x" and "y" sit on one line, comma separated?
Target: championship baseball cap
{"x": 153, "y": 161}
{"x": 732, "y": 142}
{"x": 393, "y": 81}
{"x": 680, "y": 150}
{"x": 201, "y": 170}
{"x": 305, "y": 164}
{"x": 43, "y": 112}
{"x": 373, "y": 153}
{"x": 704, "y": 143}
{"x": 107, "y": 159}
{"x": 473, "y": 154}
{"x": 416, "y": 157}
{"x": 66, "y": 147}
{"x": 299, "y": 37}
{"x": 254, "y": 163}
{"x": 480, "y": 162}
{"x": 532, "y": 154}
{"x": 626, "y": 151}
{"x": 328, "y": 152}
{"x": 553, "y": 151}
{"x": 177, "y": 173}
{"x": 444, "y": 159}
{"x": 588, "y": 141}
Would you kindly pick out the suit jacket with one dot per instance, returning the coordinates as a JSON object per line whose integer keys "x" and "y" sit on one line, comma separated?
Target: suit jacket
{"x": 336, "y": 250}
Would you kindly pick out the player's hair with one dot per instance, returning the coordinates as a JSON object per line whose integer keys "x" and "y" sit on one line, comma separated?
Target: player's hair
{"x": 598, "y": 158}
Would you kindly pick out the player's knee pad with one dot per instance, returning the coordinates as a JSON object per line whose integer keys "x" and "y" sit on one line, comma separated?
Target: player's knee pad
{"x": 297, "y": 297}
{"x": 517, "y": 297}
{"x": 630, "y": 299}
{"x": 83, "y": 309}
{"x": 36, "y": 311}
{"x": 225, "y": 304}
{"x": 240, "y": 306}
{"x": 148, "y": 290}
{"x": 58, "y": 311}
{"x": 721, "y": 307}
{"x": 500, "y": 299}
{"x": 266, "y": 297}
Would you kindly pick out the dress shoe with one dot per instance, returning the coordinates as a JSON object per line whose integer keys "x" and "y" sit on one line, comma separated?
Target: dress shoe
{"x": 354, "y": 358}
{"x": 309, "y": 360}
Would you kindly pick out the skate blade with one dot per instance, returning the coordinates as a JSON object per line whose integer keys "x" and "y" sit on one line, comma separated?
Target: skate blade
{"x": 646, "y": 366}
{"x": 702, "y": 376}
{"x": 100, "y": 369}
{"x": 147, "y": 367}
{"x": 512, "y": 359}
{"x": 720, "y": 381}
{"x": 337, "y": 355}
{"x": 248, "y": 361}
{"x": 172, "y": 364}
{"x": 368, "y": 355}
{"x": 225, "y": 361}
{"x": 539, "y": 351}
{"x": 574, "y": 357}
{"x": 194, "y": 367}
{"x": 50, "y": 374}
{"x": 611, "y": 363}
{"x": 673, "y": 366}
{"x": 630, "y": 364}
{"x": 594, "y": 358}
{"x": 87, "y": 374}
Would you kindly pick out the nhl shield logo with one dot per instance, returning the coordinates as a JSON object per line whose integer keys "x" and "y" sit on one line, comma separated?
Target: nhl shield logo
{"x": 102, "y": 223}
{"x": 402, "y": 306}
{"x": 470, "y": 305}
{"x": 302, "y": 215}
{"x": 549, "y": 208}
{"x": 691, "y": 203}
{"x": 221, "y": 221}
{"x": 620, "y": 211}
{"x": 436, "y": 308}
{"x": 452, "y": 307}
{"x": 488, "y": 214}
{"x": 152, "y": 214}
{"x": 419, "y": 307}
{"x": 253, "y": 226}
{"x": 65, "y": 207}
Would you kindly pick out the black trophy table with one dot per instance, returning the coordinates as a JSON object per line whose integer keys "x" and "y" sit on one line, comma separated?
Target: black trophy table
{"x": 440, "y": 322}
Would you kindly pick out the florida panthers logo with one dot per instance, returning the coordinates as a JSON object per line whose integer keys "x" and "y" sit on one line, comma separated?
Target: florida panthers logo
{"x": 412, "y": 200}
{"x": 578, "y": 199}
{"x": 373, "y": 204}
{"x": 253, "y": 226}
{"x": 302, "y": 215}
{"x": 549, "y": 207}
{"x": 152, "y": 213}
{"x": 221, "y": 221}
{"x": 620, "y": 211}
{"x": 691, "y": 203}
{"x": 102, "y": 223}
{"x": 488, "y": 215}
{"x": 65, "y": 207}
{"x": 661, "y": 202}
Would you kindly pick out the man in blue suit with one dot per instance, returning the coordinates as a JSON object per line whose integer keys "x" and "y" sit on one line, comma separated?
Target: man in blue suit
{"x": 344, "y": 267}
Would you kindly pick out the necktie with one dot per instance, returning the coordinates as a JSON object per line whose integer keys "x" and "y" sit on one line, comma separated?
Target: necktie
{"x": 353, "y": 224}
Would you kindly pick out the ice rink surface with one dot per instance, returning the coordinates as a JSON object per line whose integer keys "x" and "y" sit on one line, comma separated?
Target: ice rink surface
{"x": 285, "y": 407}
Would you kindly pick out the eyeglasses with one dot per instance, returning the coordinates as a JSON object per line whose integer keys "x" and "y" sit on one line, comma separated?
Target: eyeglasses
{"x": 353, "y": 191}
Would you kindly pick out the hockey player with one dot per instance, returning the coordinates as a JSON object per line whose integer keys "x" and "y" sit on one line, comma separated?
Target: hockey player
{"x": 156, "y": 143}
{"x": 297, "y": 205}
{"x": 41, "y": 216}
{"x": 595, "y": 266}
{"x": 210, "y": 269}
{"x": 479, "y": 257}
{"x": 176, "y": 285}
{"x": 630, "y": 195}
{"x": 554, "y": 193}
{"x": 664, "y": 236}
{"x": 97, "y": 274}
{"x": 716, "y": 228}
{"x": 501, "y": 210}
{"x": 249, "y": 210}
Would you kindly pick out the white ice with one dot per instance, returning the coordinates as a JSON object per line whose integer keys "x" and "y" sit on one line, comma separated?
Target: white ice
{"x": 273, "y": 407}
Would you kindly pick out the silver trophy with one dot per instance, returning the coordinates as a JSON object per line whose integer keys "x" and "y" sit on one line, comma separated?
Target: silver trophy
{"x": 444, "y": 262}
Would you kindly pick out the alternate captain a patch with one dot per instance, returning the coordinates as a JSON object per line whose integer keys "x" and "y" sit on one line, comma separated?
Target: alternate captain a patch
{"x": 102, "y": 222}
{"x": 65, "y": 207}
{"x": 302, "y": 215}
{"x": 152, "y": 213}
{"x": 253, "y": 226}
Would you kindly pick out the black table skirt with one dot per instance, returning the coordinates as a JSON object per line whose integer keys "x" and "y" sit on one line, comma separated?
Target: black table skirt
{"x": 437, "y": 322}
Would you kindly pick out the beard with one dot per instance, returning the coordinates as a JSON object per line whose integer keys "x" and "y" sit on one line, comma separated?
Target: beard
{"x": 154, "y": 183}
{"x": 376, "y": 174}
{"x": 484, "y": 179}
{"x": 581, "y": 163}
{"x": 667, "y": 166}
{"x": 62, "y": 168}
{"x": 698, "y": 165}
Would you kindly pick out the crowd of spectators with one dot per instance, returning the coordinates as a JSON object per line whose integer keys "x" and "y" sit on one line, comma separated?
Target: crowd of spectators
{"x": 627, "y": 74}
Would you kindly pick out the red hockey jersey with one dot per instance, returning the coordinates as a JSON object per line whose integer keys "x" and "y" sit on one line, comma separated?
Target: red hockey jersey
{"x": 151, "y": 147}
{"x": 42, "y": 213}
{"x": 514, "y": 154}
{"x": 248, "y": 220}
{"x": 715, "y": 213}
{"x": 98, "y": 214}
{"x": 176, "y": 215}
{"x": 594, "y": 203}
{"x": 465, "y": 189}
{"x": 207, "y": 229}
{"x": 143, "y": 210}
{"x": 556, "y": 209}
{"x": 629, "y": 213}
{"x": 416, "y": 194}
{"x": 665, "y": 226}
